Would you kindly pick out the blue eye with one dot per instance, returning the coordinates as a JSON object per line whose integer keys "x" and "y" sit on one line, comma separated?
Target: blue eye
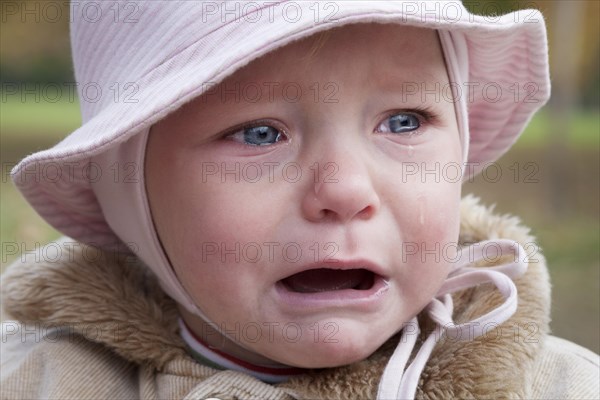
{"x": 262, "y": 135}
{"x": 399, "y": 123}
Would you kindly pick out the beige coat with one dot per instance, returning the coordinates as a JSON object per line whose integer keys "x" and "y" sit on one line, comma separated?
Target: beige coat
{"x": 103, "y": 329}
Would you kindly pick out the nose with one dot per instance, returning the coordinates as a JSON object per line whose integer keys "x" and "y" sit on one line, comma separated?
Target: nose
{"x": 342, "y": 190}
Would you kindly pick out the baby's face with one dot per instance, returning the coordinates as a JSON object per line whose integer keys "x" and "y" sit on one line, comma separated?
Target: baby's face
{"x": 287, "y": 199}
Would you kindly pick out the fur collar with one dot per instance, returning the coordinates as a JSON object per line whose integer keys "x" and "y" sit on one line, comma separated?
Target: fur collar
{"x": 138, "y": 321}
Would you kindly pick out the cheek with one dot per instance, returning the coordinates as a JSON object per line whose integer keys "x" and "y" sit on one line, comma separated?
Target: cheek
{"x": 183, "y": 209}
{"x": 434, "y": 192}
{"x": 213, "y": 229}
{"x": 428, "y": 219}
{"x": 231, "y": 212}
{"x": 437, "y": 227}
{"x": 428, "y": 248}
{"x": 425, "y": 210}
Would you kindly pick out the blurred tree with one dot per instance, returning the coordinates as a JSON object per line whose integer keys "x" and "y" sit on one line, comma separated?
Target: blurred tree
{"x": 589, "y": 73}
{"x": 34, "y": 41}
{"x": 565, "y": 52}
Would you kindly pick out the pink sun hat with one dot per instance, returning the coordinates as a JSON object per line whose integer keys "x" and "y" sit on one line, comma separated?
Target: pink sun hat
{"x": 135, "y": 67}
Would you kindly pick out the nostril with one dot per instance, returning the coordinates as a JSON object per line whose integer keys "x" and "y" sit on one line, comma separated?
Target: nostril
{"x": 366, "y": 212}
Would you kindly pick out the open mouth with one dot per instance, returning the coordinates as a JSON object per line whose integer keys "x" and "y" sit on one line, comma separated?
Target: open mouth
{"x": 329, "y": 280}
{"x": 346, "y": 285}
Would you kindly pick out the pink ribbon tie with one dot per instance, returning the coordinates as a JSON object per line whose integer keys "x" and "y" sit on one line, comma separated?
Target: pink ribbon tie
{"x": 398, "y": 383}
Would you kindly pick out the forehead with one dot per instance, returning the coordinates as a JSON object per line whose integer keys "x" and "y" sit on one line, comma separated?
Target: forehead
{"x": 377, "y": 52}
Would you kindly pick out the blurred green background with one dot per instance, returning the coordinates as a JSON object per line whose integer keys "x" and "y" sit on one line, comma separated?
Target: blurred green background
{"x": 559, "y": 151}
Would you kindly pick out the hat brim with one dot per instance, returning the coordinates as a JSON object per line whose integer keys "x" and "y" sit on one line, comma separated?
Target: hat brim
{"x": 507, "y": 53}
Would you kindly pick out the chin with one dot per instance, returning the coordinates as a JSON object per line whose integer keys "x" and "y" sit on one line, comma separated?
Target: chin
{"x": 327, "y": 355}
{"x": 354, "y": 343}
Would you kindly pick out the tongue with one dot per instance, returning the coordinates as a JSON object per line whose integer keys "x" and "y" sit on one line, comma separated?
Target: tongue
{"x": 324, "y": 280}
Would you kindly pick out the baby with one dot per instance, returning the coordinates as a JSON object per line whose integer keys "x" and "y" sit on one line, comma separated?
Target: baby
{"x": 278, "y": 204}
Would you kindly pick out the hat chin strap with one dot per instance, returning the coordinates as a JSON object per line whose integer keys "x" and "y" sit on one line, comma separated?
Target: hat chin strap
{"x": 124, "y": 202}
